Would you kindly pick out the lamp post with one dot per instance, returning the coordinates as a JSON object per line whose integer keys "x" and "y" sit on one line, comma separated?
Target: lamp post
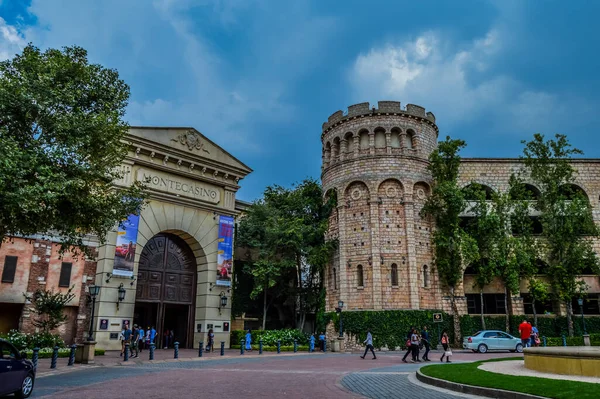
{"x": 121, "y": 296}
{"x": 223, "y": 300}
{"x": 339, "y": 310}
{"x": 94, "y": 290}
{"x": 580, "y": 302}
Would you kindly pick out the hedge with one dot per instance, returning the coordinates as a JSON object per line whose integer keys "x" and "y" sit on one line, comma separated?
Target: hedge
{"x": 554, "y": 326}
{"x": 287, "y": 348}
{"x": 390, "y": 327}
{"x": 270, "y": 337}
{"x": 46, "y": 353}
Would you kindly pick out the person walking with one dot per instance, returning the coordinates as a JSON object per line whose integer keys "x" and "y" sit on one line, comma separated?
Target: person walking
{"x": 312, "y": 343}
{"x": 525, "y": 331}
{"x": 446, "y": 345}
{"x": 425, "y": 342}
{"x": 249, "y": 341}
{"x": 414, "y": 344}
{"x": 369, "y": 342}
{"x": 211, "y": 341}
{"x": 322, "y": 341}
{"x": 408, "y": 348}
{"x": 141, "y": 337}
{"x": 134, "y": 341}
{"x": 166, "y": 338}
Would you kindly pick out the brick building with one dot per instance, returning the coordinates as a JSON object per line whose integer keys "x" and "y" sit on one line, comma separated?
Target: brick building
{"x": 375, "y": 161}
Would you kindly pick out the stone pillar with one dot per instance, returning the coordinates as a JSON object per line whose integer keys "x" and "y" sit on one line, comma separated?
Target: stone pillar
{"x": 515, "y": 306}
{"x": 388, "y": 142}
{"x": 371, "y": 143}
{"x": 402, "y": 140}
{"x": 343, "y": 267}
{"x": 413, "y": 275}
{"x": 375, "y": 252}
{"x": 343, "y": 149}
{"x": 356, "y": 145}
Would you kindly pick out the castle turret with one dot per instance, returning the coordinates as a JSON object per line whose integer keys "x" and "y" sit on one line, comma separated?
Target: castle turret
{"x": 375, "y": 160}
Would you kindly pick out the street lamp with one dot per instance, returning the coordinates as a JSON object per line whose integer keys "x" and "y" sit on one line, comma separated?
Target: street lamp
{"x": 94, "y": 290}
{"x": 580, "y": 302}
{"x": 223, "y": 302}
{"x": 121, "y": 296}
{"x": 339, "y": 310}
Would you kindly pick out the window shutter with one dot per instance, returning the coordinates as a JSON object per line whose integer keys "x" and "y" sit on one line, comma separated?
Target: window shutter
{"x": 10, "y": 268}
{"x": 65, "y": 274}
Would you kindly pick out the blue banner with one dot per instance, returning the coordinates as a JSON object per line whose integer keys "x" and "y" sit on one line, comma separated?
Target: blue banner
{"x": 126, "y": 246}
{"x": 225, "y": 251}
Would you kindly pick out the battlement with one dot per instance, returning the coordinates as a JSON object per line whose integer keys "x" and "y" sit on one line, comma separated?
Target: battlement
{"x": 383, "y": 107}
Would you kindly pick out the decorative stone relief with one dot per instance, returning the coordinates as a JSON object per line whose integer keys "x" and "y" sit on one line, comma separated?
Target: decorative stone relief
{"x": 192, "y": 140}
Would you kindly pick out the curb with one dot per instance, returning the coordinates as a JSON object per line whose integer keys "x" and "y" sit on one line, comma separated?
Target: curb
{"x": 473, "y": 390}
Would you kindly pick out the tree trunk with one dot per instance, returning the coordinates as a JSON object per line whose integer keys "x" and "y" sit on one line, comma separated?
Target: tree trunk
{"x": 482, "y": 318}
{"x": 535, "y": 323}
{"x": 507, "y": 316}
{"x": 570, "y": 317}
{"x": 264, "y": 318}
{"x": 456, "y": 318}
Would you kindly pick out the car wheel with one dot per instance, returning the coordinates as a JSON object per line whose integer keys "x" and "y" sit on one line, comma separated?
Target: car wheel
{"x": 519, "y": 348}
{"x": 482, "y": 348}
{"x": 26, "y": 387}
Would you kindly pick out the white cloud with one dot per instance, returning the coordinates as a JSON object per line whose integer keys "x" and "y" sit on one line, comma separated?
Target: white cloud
{"x": 454, "y": 83}
{"x": 11, "y": 40}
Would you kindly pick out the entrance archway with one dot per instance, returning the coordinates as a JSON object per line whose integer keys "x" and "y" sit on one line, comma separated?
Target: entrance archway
{"x": 166, "y": 286}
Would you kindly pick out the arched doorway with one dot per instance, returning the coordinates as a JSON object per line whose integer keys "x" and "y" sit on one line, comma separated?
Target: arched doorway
{"x": 166, "y": 286}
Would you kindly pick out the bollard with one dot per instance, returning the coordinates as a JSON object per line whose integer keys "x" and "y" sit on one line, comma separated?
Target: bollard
{"x": 278, "y": 346}
{"x": 242, "y": 343}
{"x": 35, "y": 357}
{"x": 222, "y": 348}
{"x": 260, "y": 347}
{"x": 564, "y": 340}
{"x": 200, "y": 348}
{"x": 295, "y": 346}
{"x": 152, "y": 347}
{"x": 54, "y": 357}
{"x": 72, "y": 355}
{"x": 544, "y": 341}
{"x": 126, "y": 354}
{"x": 176, "y": 347}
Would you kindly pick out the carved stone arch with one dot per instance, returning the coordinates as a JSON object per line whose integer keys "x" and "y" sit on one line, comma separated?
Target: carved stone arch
{"x": 327, "y": 153}
{"x": 410, "y": 139}
{"x": 335, "y": 149}
{"x": 395, "y": 137}
{"x": 571, "y": 189}
{"x": 357, "y": 191}
{"x": 349, "y": 137}
{"x": 363, "y": 140}
{"x": 487, "y": 187}
{"x": 421, "y": 190}
{"x": 390, "y": 189}
{"x": 380, "y": 142}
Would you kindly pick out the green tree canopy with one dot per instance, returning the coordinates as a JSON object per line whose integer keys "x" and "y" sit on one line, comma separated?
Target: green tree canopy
{"x": 61, "y": 140}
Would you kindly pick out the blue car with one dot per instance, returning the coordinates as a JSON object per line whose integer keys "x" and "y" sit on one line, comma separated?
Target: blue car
{"x": 16, "y": 372}
{"x": 492, "y": 340}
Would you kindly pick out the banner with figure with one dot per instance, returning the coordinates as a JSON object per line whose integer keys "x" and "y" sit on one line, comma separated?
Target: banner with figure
{"x": 225, "y": 251}
{"x": 126, "y": 243}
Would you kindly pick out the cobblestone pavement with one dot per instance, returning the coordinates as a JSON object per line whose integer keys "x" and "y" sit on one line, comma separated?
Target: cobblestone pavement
{"x": 249, "y": 376}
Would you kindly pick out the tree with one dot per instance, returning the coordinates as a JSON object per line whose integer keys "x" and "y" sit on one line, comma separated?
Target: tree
{"x": 61, "y": 139}
{"x": 286, "y": 230}
{"x": 538, "y": 290}
{"x": 566, "y": 217}
{"x": 453, "y": 245}
{"x": 48, "y": 308}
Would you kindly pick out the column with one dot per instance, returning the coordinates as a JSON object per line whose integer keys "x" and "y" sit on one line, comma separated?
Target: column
{"x": 371, "y": 143}
{"x": 388, "y": 142}
{"x": 343, "y": 149}
{"x": 356, "y": 145}
{"x": 375, "y": 252}
{"x": 413, "y": 273}
{"x": 343, "y": 267}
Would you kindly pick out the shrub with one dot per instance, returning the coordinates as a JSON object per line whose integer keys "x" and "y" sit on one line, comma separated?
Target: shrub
{"x": 46, "y": 353}
{"x": 29, "y": 341}
{"x": 270, "y": 337}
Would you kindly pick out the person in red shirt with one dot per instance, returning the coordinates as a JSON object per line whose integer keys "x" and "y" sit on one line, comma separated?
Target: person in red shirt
{"x": 525, "y": 331}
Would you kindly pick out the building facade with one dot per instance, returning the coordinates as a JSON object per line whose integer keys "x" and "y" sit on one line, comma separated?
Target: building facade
{"x": 163, "y": 264}
{"x": 375, "y": 162}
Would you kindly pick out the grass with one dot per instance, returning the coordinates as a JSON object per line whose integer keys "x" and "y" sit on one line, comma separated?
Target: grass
{"x": 470, "y": 374}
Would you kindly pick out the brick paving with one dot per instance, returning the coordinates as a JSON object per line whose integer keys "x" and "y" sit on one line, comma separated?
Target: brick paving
{"x": 251, "y": 376}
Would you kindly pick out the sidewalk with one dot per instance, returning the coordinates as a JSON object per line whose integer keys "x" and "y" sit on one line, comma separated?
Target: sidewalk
{"x": 113, "y": 358}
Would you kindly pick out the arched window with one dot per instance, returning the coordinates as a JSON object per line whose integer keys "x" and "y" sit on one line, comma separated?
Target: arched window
{"x": 359, "y": 276}
{"x": 394, "y": 275}
{"x": 334, "y": 279}
{"x": 425, "y": 276}
{"x": 409, "y": 139}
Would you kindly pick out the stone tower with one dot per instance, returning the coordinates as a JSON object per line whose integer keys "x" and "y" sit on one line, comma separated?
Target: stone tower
{"x": 375, "y": 161}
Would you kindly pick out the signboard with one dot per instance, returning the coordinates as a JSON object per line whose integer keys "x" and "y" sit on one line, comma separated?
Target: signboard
{"x": 226, "y": 326}
{"x": 104, "y": 324}
{"x": 125, "y": 246}
{"x": 179, "y": 186}
{"x": 114, "y": 335}
{"x": 437, "y": 318}
{"x": 225, "y": 251}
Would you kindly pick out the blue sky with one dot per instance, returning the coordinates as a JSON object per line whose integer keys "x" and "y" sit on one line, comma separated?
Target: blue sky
{"x": 260, "y": 77}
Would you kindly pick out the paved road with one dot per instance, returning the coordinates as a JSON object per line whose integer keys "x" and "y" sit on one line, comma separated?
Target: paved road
{"x": 294, "y": 376}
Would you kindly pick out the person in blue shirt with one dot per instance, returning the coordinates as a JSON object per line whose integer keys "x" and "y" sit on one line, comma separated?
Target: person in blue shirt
{"x": 152, "y": 334}
{"x": 312, "y": 343}
{"x": 425, "y": 342}
{"x": 249, "y": 340}
{"x": 141, "y": 337}
{"x": 322, "y": 341}
{"x": 369, "y": 342}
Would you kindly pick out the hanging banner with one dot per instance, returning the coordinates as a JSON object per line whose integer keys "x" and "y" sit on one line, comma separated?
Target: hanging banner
{"x": 225, "y": 251}
{"x": 126, "y": 243}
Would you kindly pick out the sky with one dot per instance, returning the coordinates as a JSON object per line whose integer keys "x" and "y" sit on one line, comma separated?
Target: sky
{"x": 260, "y": 77}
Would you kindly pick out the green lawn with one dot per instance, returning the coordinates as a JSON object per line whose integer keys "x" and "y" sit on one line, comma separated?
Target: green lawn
{"x": 469, "y": 374}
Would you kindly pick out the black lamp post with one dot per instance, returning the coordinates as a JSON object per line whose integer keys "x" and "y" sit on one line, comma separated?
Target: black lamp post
{"x": 339, "y": 310}
{"x": 94, "y": 290}
{"x": 121, "y": 296}
{"x": 223, "y": 302}
{"x": 580, "y": 302}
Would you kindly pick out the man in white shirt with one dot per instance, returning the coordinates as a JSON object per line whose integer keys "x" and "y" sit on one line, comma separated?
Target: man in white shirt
{"x": 369, "y": 342}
